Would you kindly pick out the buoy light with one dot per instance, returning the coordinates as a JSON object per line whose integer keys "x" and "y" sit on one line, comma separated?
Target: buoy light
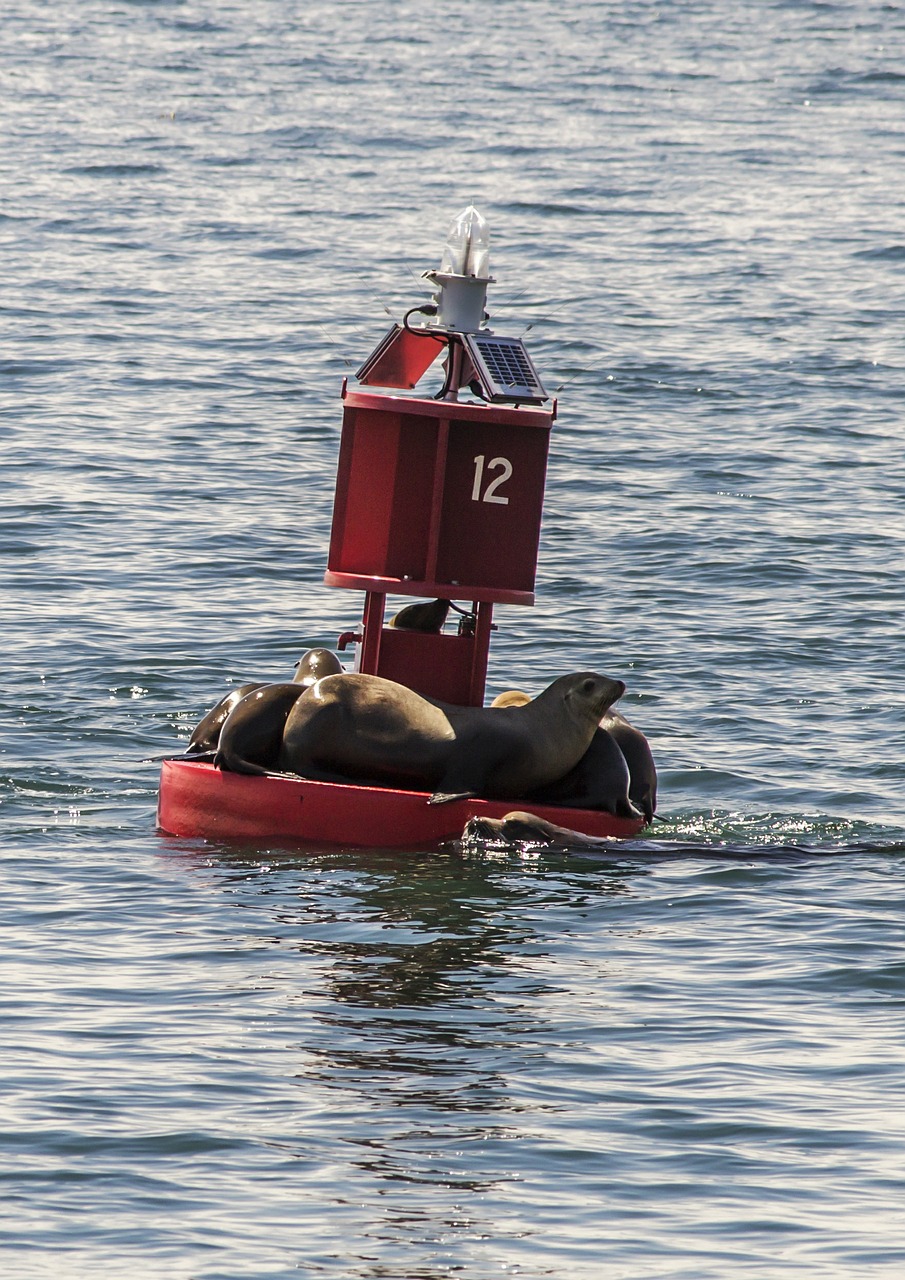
{"x": 464, "y": 274}
{"x": 496, "y": 369}
{"x": 467, "y": 251}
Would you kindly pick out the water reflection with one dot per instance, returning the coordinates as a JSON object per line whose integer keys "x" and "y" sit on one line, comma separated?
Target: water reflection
{"x": 430, "y": 972}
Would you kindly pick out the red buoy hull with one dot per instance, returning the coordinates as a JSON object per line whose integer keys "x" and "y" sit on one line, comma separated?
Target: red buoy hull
{"x": 198, "y": 800}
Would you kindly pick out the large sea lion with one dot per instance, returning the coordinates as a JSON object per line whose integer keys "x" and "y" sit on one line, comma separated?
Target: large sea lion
{"x": 364, "y": 727}
{"x": 596, "y": 782}
{"x": 256, "y": 722}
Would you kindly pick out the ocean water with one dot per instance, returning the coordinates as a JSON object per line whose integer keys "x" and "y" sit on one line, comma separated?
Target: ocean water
{"x": 681, "y": 1057}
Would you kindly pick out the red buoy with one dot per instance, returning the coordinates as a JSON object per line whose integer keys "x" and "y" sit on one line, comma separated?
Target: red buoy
{"x": 437, "y": 498}
{"x": 197, "y": 799}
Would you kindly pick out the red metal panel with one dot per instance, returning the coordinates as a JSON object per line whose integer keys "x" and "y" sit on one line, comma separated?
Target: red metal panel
{"x": 401, "y": 358}
{"x": 197, "y": 800}
{"x": 371, "y": 633}
{"x": 492, "y": 505}
{"x": 364, "y": 490}
{"x": 464, "y": 411}
{"x": 434, "y": 493}
{"x": 436, "y": 666}
{"x": 410, "y": 513}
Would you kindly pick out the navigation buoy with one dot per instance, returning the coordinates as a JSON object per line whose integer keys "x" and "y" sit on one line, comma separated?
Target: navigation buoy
{"x": 439, "y": 498}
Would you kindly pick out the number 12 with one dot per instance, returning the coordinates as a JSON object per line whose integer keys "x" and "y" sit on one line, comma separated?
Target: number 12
{"x": 504, "y": 466}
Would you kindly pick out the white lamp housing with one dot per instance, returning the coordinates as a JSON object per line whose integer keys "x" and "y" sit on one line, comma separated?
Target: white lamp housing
{"x": 467, "y": 251}
{"x": 464, "y": 274}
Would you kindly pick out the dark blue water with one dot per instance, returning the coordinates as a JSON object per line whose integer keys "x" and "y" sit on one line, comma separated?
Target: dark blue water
{"x": 680, "y": 1058}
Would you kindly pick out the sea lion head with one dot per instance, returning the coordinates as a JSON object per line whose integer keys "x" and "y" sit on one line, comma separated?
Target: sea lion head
{"x": 587, "y": 693}
{"x": 315, "y": 664}
{"x": 482, "y": 828}
{"x": 428, "y": 617}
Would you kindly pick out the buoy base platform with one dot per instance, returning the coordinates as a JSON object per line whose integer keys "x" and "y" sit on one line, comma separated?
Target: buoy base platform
{"x": 198, "y": 800}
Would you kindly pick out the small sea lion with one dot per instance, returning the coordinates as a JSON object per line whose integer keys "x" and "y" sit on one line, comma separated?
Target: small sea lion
{"x": 511, "y": 698}
{"x": 206, "y": 734}
{"x": 427, "y": 616}
{"x": 601, "y": 771}
{"x": 527, "y": 828}
{"x": 481, "y": 828}
{"x": 600, "y": 780}
{"x": 363, "y": 726}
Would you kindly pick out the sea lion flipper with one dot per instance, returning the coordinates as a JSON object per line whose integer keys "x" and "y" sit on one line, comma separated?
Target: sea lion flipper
{"x": 229, "y": 762}
{"x": 447, "y": 797}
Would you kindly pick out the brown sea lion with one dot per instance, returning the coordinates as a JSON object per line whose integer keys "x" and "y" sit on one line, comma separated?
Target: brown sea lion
{"x": 527, "y": 828}
{"x": 427, "y": 616}
{"x": 206, "y": 733}
{"x": 601, "y": 772}
{"x": 638, "y": 756}
{"x": 314, "y": 665}
{"x": 511, "y": 698}
{"x": 250, "y": 727}
{"x": 364, "y": 727}
{"x": 253, "y": 731}
{"x": 600, "y": 780}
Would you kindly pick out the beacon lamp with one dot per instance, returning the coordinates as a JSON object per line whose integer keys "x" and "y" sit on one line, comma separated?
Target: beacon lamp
{"x": 464, "y": 275}
{"x": 496, "y": 369}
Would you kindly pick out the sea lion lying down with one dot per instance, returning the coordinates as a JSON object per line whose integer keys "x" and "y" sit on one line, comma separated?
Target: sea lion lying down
{"x": 205, "y": 742}
{"x": 364, "y": 728}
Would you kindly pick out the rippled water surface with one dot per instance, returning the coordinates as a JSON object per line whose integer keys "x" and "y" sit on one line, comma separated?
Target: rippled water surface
{"x": 681, "y": 1057}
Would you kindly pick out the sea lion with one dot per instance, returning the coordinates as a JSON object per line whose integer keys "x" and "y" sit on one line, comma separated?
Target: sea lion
{"x": 511, "y": 698}
{"x": 363, "y": 726}
{"x": 314, "y": 665}
{"x": 601, "y": 771}
{"x": 527, "y": 828}
{"x": 206, "y": 734}
{"x": 600, "y": 780}
{"x": 638, "y": 756}
{"x": 427, "y": 616}
{"x": 252, "y": 732}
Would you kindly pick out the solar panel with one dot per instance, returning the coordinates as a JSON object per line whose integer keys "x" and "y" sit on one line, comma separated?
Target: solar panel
{"x": 503, "y": 368}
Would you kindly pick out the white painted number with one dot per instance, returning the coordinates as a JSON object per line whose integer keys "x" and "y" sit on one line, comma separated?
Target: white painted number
{"x": 504, "y": 466}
